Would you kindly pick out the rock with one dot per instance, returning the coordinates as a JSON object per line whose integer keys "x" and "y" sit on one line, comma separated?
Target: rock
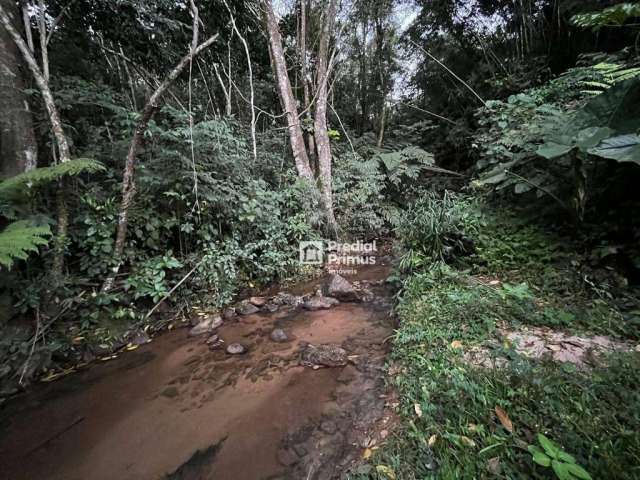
{"x": 138, "y": 338}
{"x": 236, "y": 349}
{"x": 207, "y": 324}
{"x": 170, "y": 392}
{"x": 300, "y": 450}
{"x": 286, "y": 457}
{"x": 319, "y": 303}
{"x": 279, "y": 336}
{"x": 328, "y": 355}
{"x": 270, "y": 307}
{"x": 329, "y": 427}
{"x": 258, "y": 301}
{"x": 284, "y": 298}
{"x": 337, "y": 287}
{"x": 229, "y": 313}
{"x": 247, "y": 308}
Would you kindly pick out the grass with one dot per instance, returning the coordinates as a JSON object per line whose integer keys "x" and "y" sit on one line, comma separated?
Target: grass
{"x": 450, "y": 427}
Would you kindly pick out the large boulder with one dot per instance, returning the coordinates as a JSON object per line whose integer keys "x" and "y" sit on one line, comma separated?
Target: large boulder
{"x": 326, "y": 355}
{"x": 337, "y": 287}
{"x": 206, "y": 325}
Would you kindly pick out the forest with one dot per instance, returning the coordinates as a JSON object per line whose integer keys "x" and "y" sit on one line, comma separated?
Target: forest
{"x": 464, "y": 173}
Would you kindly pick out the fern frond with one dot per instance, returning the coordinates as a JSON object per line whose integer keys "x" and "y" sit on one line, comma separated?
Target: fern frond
{"x": 19, "y": 239}
{"x": 38, "y": 176}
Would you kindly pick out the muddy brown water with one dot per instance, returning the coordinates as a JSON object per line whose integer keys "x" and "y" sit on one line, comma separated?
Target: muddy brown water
{"x": 173, "y": 409}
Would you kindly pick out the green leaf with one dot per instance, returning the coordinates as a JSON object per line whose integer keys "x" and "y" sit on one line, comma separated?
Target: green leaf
{"x": 578, "y": 471}
{"x": 564, "y": 456}
{"x": 551, "y": 150}
{"x": 561, "y": 470}
{"x": 539, "y": 456}
{"x": 623, "y": 148}
{"x": 19, "y": 239}
{"x": 550, "y": 448}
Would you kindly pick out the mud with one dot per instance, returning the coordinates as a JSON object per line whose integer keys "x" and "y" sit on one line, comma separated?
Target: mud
{"x": 176, "y": 409}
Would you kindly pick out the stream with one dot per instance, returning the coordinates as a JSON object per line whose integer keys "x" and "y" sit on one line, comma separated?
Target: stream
{"x": 175, "y": 409}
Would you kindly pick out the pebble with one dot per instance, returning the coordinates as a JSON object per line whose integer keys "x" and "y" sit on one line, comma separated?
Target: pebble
{"x": 236, "y": 349}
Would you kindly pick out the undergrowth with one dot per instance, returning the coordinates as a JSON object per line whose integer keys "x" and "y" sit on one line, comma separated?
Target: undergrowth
{"x": 460, "y": 420}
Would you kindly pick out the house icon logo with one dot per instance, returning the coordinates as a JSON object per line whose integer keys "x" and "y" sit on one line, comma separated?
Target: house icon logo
{"x": 311, "y": 253}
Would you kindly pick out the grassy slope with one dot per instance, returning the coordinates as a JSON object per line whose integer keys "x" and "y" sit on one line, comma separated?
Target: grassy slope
{"x": 449, "y": 427}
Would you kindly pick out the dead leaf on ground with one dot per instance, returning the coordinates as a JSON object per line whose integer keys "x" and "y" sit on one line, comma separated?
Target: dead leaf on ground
{"x": 456, "y": 344}
{"x": 418, "y": 409}
{"x": 467, "y": 441}
{"x": 386, "y": 471}
{"x": 367, "y": 454}
{"x": 504, "y": 419}
{"x": 493, "y": 466}
{"x": 432, "y": 440}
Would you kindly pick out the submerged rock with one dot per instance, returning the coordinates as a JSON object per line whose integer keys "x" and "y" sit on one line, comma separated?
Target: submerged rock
{"x": 320, "y": 303}
{"x": 337, "y": 287}
{"x": 279, "y": 336}
{"x": 327, "y": 355}
{"x": 207, "y": 324}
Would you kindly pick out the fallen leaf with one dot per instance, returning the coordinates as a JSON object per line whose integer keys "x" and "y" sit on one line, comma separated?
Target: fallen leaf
{"x": 456, "y": 344}
{"x": 418, "y": 409}
{"x": 131, "y": 347}
{"x": 386, "y": 471}
{"x": 367, "y": 453}
{"x": 467, "y": 441}
{"x": 432, "y": 440}
{"x": 493, "y": 466}
{"x": 504, "y": 419}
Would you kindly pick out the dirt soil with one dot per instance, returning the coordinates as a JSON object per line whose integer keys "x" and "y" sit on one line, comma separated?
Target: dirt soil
{"x": 175, "y": 409}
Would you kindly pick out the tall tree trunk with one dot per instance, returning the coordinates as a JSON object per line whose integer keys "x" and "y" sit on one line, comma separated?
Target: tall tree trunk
{"x": 286, "y": 93}
{"x": 41, "y": 77}
{"x": 306, "y": 82}
{"x": 382, "y": 86}
{"x": 18, "y": 147}
{"x": 364, "y": 103}
{"x": 128, "y": 177}
{"x": 320, "y": 121}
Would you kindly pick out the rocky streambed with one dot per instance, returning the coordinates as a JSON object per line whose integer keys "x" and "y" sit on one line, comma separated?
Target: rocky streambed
{"x": 284, "y": 386}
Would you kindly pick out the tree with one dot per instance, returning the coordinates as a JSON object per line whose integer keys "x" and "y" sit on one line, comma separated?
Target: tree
{"x": 41, "y": 76}
{"x": 289, "y": 104}
{"x": 18, "y": 147}
{"x": 323, "y": 144}
{"x": 149, "y": 110}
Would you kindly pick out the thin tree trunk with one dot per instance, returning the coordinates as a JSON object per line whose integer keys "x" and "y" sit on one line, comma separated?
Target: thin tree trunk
{"x": 42, "y": 81}
{"x": 320, "y": 122}
{"x": 306, "y": 87}
{"x": 128, "y": 181}
{"x": 18, "y": 147}
{"x": 286, "y": 93}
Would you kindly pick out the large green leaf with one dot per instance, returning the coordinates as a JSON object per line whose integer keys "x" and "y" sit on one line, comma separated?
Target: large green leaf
{"x": 616, "y": 108}
{"x": 623, "y": 148}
